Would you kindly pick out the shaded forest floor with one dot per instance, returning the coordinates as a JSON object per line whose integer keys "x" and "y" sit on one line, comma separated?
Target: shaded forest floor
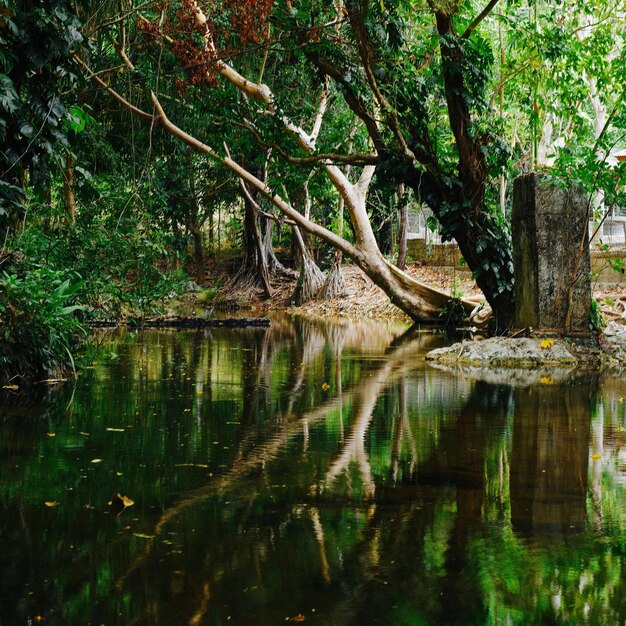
{"x": 360, "y": 298}
{"x": 364, "y": 299}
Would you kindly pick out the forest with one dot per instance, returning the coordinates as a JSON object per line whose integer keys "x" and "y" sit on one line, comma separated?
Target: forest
{"x": 143, "y": 140}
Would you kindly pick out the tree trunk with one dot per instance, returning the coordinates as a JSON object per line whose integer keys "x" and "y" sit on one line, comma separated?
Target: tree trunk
{"x": 254, "y": 270}
{"x": 274, "y": 266}
{"x": 334, "y": 286}
{"x": 403, "y": 228}
{"x": 311, "y": 277}
{"x": 211, "y": 231}
{"x": 483, "y": 239}
{"x": 418, "y": 300}
{"x": 68, "y": 188}
{"x": 198, "y": 247}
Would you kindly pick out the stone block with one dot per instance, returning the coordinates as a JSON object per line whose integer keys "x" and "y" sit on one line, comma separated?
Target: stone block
{"x": 551, "y": 256}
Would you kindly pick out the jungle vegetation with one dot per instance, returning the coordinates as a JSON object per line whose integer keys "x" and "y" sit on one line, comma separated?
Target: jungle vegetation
{"x": 135, "y": 135}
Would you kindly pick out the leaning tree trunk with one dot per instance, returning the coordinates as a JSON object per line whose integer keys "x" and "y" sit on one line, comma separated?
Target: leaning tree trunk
{"x": 419, "y": 301}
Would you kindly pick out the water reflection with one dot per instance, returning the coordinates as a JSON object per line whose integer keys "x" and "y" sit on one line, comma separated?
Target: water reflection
{"x": 310, "y": 470}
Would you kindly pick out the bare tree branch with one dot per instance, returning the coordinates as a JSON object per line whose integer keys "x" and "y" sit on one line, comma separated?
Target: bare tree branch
{"x": 131, "y": 107}
{"x": 478, "y": 19}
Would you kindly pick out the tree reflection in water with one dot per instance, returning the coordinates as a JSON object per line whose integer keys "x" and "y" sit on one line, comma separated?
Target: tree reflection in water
{"x": 311, "y": 469}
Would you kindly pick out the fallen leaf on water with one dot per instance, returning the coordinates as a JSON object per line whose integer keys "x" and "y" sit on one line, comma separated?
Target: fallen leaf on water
{"x": 119, "y": 473}
{"x": 52, "y": 504}
{"x": 298, "y": 618}
{"x": 84, "y": 434}
{"x": 143, "y": 536}
{"x": 13, "y": 387}
{"x": 96, "y": 460}
{"x": 546, "y": 344}
{"x": 325, "y": 387}
{"x": 51, "y": 434}
{"x": 120, "y": 503}
{"x": 546, "y": 380}
{"x": 115, "y": 430}
{"x": 595, "y": 457}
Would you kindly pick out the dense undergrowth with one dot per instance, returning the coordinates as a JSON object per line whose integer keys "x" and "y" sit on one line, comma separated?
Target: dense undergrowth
{"x": 54, "y": 281}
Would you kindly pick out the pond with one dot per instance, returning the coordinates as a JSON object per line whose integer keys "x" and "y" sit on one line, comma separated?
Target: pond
{"x": 310, "y": 472}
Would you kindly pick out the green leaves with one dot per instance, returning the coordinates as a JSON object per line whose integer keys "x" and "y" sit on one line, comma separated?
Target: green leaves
{"x": 39, "y": 330}
{"x": 78, "y": 119}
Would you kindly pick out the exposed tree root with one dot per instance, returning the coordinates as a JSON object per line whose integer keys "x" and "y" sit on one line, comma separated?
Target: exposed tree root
{"x": 334, "y": 286}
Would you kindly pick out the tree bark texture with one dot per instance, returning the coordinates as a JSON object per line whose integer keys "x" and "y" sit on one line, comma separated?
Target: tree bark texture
{"x": 68, "y": 187}
{"x": 402, "y": 228}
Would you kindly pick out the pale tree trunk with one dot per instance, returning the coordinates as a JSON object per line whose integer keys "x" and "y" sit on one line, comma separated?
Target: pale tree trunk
{"x": 418, "y": 300}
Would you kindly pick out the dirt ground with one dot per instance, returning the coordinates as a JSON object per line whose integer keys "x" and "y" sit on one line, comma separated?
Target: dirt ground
{"x": 361, "y": 297}
{"x": 364, "y": 299}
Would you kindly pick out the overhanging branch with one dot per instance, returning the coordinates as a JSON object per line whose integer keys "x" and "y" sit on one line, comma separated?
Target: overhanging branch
{"x": 478, "y": 19}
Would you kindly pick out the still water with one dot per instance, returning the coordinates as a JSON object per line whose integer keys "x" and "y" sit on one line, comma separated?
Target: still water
{"x": 310, "y": 472}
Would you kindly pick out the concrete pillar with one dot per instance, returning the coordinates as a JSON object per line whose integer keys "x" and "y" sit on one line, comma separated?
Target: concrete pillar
{"x": 552, "y": 273}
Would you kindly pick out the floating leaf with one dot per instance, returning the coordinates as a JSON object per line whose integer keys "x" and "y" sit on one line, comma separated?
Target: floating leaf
{"x": 52, "y": 503}
{"x": 115, "y": 430}
{"x": 546, "y": 380}
{"x": 298, "y": 618}
{"x": 10, "y": 387}
{"x": 120, "y": 502}
{"x": 325, "y": 386}
{"x": 596, "y": 457}
{"x": 143, "y": 536}
{"x": 51, "y": 434}
{"x": 546, "y": 344}
{"x": 96, "y": 460}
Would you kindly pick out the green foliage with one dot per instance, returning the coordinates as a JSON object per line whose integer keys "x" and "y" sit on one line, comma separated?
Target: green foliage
{"x": 36, "y": 67}
{"x": 39, "y": 329}
{"x": 596, "y": 321}
{"x": 453, "y": 313}
{"x": 124, "y": 269}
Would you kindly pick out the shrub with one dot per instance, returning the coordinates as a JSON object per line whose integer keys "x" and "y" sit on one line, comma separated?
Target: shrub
{"x": 39, "y": 331}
